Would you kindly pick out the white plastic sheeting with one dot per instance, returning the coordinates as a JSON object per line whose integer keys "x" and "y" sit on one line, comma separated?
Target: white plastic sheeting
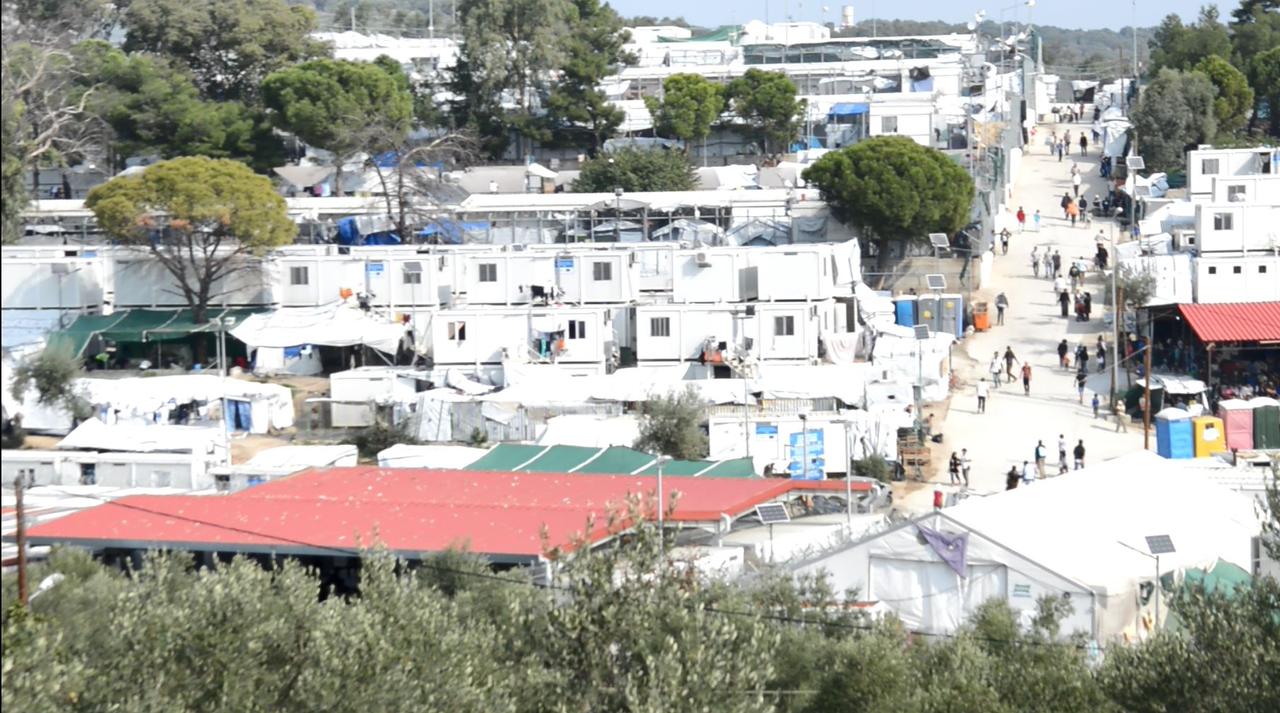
{"x": 334, "y": 325}
{"x": 899, "y": 356}
{"x": 138, "y": 399}
{"x": 591, "y": 431}
{"x": 403, "y": 455}
{"x": 299, "y": 457}
{"x": 94, "y": 435}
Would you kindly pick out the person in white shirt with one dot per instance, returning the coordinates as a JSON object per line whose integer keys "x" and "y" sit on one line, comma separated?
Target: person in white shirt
{"x": 965, "y": 464}
{"x": 982, "y": 395}
{"x": 1028, "y": 473}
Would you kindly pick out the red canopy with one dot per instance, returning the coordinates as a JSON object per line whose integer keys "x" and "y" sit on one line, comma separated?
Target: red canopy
{"x": 1234, "y": 322}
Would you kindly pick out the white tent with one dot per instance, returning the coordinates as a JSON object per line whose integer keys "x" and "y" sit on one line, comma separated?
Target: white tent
{"x": 97, "y": 436}
{"x": 404, "y": 455}
{"x": 1069, "y": 537}
{"x": 591, "y": 431}
{"x": 333, "y": 325}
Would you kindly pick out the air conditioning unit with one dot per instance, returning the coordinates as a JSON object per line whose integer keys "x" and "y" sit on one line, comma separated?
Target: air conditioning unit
{"x": 518, "y": 247}
{"x": 702, "y": 259}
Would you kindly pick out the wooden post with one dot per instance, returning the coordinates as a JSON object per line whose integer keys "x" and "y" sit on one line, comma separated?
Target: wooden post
{"x": 21, "y": 515}
{"x": 1146, "y": 411}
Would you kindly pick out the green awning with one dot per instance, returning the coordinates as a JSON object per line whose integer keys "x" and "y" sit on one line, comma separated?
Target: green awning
{"x": 506, "y": 457}
{"x": 616, "y": 460}
{"x": 141, "y": 325}
{"x": 560, "y": 459}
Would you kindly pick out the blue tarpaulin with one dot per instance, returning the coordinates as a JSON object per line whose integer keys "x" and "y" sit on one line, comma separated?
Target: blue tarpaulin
{"x": 391, "y": 159}
{"x": 349, "y": 234}
{"x": 849, "y": 109}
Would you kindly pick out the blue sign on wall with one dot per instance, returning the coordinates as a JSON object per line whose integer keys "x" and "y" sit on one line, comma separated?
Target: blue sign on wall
{"x": 564, "y": 263}
{"x": 797, "y": 451}
{"x": 374, "y": 268}
{"x": 766, "y": 429}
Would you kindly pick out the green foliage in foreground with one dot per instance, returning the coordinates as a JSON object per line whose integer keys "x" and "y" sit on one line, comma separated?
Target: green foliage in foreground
{"x": 452, "y": 636}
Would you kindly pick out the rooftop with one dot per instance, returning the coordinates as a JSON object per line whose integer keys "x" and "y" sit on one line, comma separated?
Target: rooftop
{"x": 502, "y": 516}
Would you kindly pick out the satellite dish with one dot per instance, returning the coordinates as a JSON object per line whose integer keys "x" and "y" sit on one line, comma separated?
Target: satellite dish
{"x": 971, "y": 24}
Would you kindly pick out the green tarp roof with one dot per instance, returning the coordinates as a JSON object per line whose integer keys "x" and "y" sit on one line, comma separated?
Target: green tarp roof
{"x": 140, "y": 325}
{"x": 616, "y": 460}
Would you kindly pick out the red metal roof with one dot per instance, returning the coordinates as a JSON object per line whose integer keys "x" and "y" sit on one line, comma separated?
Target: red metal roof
{"x": 409, "y": 511}
{"x": 1234, "y": 322}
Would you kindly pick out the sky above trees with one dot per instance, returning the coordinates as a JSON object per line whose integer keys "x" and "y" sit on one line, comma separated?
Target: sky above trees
{"x": 1088, "y": 14}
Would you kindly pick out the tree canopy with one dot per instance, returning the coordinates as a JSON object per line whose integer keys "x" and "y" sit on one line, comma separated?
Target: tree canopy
{"x": 580, "y": 114}
{"x": 229, "y": 46}
{"x": 672, "y": 426}
{"x": 690, "y": 105}
{"x": 623, "y": 629}
{"x": 339, "y": 106}
{"x": 199, "y": 217}
{"x": 1179, "y": 46}
{"x": 1234, "y": 98}
{"x": 893, "y": 190}
{"x": 511, "y": 48}
{"x": 766, "y": 102}
{"x": 635, "y": 170}
{"x": 1175, "y": 111}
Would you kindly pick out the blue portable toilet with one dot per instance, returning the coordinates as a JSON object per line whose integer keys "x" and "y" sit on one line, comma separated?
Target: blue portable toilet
{"x": 904, "y": 310}
{"x": 1175, "y": 436}
{"x": 951, "y": 315}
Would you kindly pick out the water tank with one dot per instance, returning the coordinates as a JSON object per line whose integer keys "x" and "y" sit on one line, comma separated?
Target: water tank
{"x": 846, "y": 17}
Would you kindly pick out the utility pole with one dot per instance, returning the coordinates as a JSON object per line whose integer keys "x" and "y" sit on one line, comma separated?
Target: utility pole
{"x": 1146, "y": 373}
{"x": 21, "y": 514}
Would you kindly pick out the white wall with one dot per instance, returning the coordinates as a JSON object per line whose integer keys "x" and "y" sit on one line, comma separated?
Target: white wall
{"x": 488, "y": 333}
{"x": 119, "y": 470}
{"x": 1260, "y": 189}
{"x": 1231, "y": 162}
{"x": 31, "y": 283}
{"x": 1253, "y": 278}
{"x": 1252, "y": 228}
{"x": 915, "y": 120}
{"x": 692, "y": 325}
{"x": 140, "y": 281}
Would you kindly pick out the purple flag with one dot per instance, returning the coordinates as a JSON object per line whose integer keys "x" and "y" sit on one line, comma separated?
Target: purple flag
{"x": 951, "y": 548}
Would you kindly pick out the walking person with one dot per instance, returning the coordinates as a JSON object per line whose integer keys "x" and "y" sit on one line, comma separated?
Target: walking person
{"x": 1035, "y": 262}
{"x": 1001, "y": 303}
{"x": 1004, "y": 241}
{"x": 1082, "y": 357}
{"x": 1062, "y": 451}
{"x": 1084, "y": 144}
{"x": 1121, "y": 416}
{"x": 995, "y": 370}
{"x": 1073, "y": 210}
{"x": 1064, "y": 299}
{"x": 1081, "y": 378}
{"x": 1088, "y": 306}
{"x": 1040, "y": 454}
{"x": 1078, "y": 454}
{"x": 1062, "y": 354}
{"x": 981, "y": 388}
{"x": 1060, "y": 149}
{"x": 953, "y": 468}
{"x": 1009, "y": 361}
{"x": 1026, "y": 378}
{"x": 1064, "y": 202}
{"x": 1097, "y": 402}
{"x": 1102, "y": 357}
{"x": 1036, "y": 220}
{"x": 1022, "y": 219}
{"x": 965, "y": 464}
{"x": 1085, "y": 215}
{"x": 1048, "y": 265}
{"x": 1057, "y": 263}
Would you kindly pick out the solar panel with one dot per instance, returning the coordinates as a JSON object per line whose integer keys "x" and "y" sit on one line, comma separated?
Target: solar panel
{"x": 939, "y": 240}
{"x": 936, "y": 283}
{"x": 1135, "y": 162}
{"x": 770, "y": 513}
{"x": 922, "y": 331}
{"x": 1160, "y": 544}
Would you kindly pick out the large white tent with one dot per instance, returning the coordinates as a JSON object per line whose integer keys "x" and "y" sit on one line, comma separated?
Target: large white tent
{"x": 334, "y": 325}
{"x": 1068, "y": 537}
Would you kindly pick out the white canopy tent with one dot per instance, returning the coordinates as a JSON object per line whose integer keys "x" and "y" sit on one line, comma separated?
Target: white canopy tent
{"x": 333, "y": 325}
